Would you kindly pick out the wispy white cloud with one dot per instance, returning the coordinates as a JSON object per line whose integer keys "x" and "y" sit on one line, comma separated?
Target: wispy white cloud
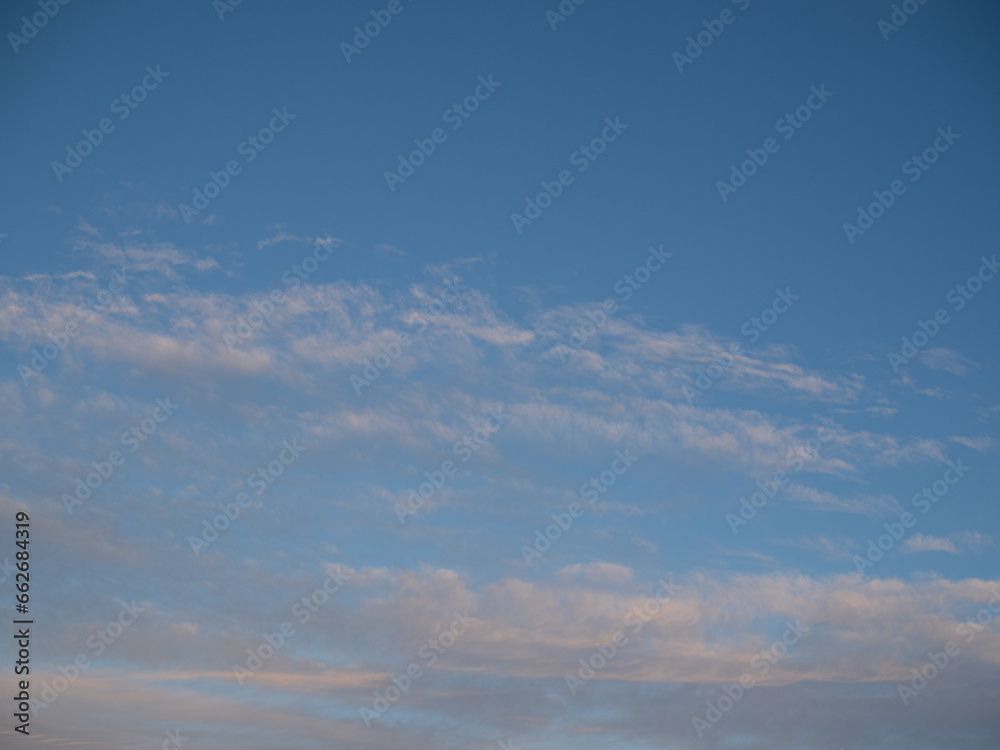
{"x": 842, "y": 549}
{"x": 983, "y": 443}
{"x": 927, "y": 543}
{"x": 283, "y": 236}
{"x": 947, "y": 360}
{"x": 384, "y": 249}
{"x": 957, "y": 543}
{"x": 867, "y": 505}
{"x": 908, "y": 381}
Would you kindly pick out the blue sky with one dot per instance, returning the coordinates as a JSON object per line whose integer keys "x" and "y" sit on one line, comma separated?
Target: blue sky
{"x": 653, "y": 350}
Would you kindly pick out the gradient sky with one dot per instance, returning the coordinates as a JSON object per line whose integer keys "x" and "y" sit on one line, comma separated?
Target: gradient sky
{"x": 494, "y": 310}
